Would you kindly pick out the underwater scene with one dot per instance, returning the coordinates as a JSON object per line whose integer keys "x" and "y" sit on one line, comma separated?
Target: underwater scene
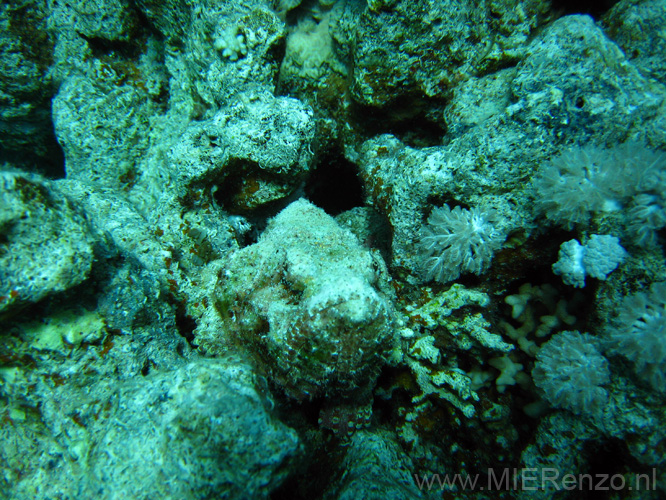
{"x": 332, "y": 249}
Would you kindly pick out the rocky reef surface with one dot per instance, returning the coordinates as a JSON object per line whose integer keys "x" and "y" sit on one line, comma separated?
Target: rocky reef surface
{"x": 338, "y": 249}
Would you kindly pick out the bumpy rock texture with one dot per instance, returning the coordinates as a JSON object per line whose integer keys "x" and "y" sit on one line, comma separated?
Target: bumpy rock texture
{"x": 26, "y": 54}
{"x": 254, "y": 152}
{"x": 311, "y": 302}
{"x": 196, "y": 431}
{"x": 179, "y": 320}
{"x": 45, "y": 246}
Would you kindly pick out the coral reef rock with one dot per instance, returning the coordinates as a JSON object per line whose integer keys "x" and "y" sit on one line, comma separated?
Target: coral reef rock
{"x": 310, "y": 301}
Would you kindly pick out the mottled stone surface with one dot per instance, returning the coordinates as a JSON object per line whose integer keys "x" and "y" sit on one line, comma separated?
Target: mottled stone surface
{"x": 310, "y": 302}
{"x": 45, "y": 245}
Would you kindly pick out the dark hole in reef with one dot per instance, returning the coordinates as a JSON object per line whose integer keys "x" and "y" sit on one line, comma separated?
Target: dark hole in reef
{"x": 237, "y": 192}
{"x": 530, "y": 261}
{"x": 4, "y": 239}
{"x": 101, "y": 47}
{"x": 334, "y": 186}
{"x": 661, "y": 233}
{"x": 398, "y": 387}
{"x": 53, "y": 163}
{"x": 186, "y": 325}
{"x": 47, "y": 160}
{"x": 145, "y": 25}
{"x": 316, "y": 474}
{"x": 608, "y": 459}
{"x": 148, "y": 365}
{"x": 405, "y": 118}
{"x": 307, "y": 9}
{"x": 418, "y": 132}
{"x": 591, "y": 7}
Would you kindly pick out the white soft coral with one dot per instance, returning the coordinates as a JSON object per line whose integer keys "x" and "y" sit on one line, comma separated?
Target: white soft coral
{"x": 570, "y": 371}
{"x": 639, "y": 333}
{"x": 587, "y": 180}
{"x": 458, "y": 240}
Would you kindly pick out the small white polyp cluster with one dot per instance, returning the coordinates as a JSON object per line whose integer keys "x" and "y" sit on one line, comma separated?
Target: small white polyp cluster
{"x": 232, "y": 43}
{"x": 599, "y": 257}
